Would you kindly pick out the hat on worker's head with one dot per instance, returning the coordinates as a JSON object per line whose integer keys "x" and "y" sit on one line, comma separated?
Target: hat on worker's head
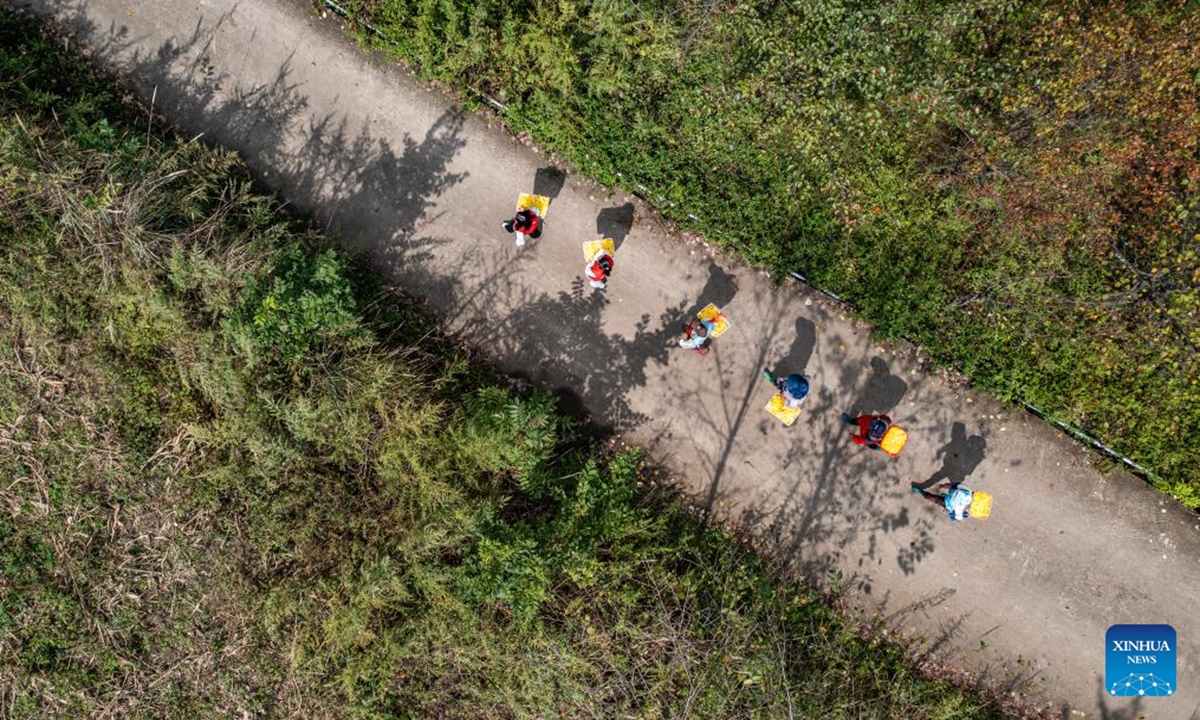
{"x": 877, "y": 427}
{"x": 796, "y": 386}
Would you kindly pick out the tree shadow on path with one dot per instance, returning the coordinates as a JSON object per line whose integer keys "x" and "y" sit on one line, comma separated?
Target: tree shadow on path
{"x": 560, "y": 340}
{"x": 349, "y": 180}
{"x": 838, "y": 498}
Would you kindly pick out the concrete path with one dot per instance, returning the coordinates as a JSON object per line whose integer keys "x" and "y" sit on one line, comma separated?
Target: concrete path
{"x": 1023, "y": 599}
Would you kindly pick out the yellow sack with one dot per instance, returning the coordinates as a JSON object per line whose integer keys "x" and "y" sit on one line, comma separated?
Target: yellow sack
{"x": 776, "y": 407}
{"x": 591, "y": 248}
{"x": 713, "y": 314}
{"x": 893, "y": 440}
{"x": 981, "y": 505}
{"x": 529, "y": 200}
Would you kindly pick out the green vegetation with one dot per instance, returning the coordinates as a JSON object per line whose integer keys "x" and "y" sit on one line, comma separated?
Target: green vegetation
{"x": 1011, "y": 185}
{"x": 224, "y": 496}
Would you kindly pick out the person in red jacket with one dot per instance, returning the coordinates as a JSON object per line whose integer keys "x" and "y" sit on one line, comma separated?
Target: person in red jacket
{"x": 599, "y": 269}
{"x": 527, "y": 223}
{"x": 871, "y": 429}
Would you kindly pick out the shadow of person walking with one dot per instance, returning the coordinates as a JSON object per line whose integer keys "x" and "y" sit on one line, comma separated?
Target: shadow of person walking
{"x": 615, "y": 223}
{"x": 801, "y": 350}
{"x": 883, "y": 390}
{"x": 549, "y": 181}
{"x": 960, "y": 457}
{"x": 720, "y": 288}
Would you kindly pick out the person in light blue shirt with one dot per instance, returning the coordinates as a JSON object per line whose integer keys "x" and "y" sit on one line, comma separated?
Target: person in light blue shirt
{"x": 697, "y": 335}
{"x": 956, "y": 499}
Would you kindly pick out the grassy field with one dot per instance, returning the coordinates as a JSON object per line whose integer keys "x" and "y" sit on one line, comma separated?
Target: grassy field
{"x": 1011, "y": 185}
{"x": 226, "y": 496}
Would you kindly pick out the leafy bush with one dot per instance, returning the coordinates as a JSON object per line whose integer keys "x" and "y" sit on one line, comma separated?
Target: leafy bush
{"x": 308, "y": 306}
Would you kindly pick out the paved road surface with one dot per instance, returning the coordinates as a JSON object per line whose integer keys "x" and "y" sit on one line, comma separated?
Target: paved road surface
{"x": 1023, "y": 598}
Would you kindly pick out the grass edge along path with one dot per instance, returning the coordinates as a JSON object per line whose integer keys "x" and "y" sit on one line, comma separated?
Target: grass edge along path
{"x": 1140, "y": 402}
{"x": 229, "y": 499}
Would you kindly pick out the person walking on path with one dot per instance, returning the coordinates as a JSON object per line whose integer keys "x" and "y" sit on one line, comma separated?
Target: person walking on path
{"x": 958, "y": 499}
{"x": 793, "y": 388}
{"x": 600, "y": 267}
{"x": 871, "y": 429}
{"x": 526, "y": 224}
{"x": 697, "y": 335}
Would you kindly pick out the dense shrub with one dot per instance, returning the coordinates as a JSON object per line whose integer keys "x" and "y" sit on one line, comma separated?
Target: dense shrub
{"x": 1012, "y": 185}
{"x": 307, "y": 304}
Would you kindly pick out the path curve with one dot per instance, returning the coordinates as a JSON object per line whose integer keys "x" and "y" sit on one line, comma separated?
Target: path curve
{"x": 1023, "y": 599}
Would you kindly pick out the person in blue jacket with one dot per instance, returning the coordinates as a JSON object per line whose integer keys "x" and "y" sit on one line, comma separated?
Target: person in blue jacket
{"x": 793, "y": 388}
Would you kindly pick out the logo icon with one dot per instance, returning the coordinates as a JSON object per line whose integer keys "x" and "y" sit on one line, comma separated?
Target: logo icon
{"x": 1140, "y": 660}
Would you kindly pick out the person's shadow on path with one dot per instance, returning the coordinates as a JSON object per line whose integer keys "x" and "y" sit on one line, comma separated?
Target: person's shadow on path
{"x": 549, "y": 181}
{"x": 883, "y": 390}
{"x": 719, "y": 290}
{"x": 803, "y": 343}
{"x": 961, "y": 456}
{"x": 615, "y": 223}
